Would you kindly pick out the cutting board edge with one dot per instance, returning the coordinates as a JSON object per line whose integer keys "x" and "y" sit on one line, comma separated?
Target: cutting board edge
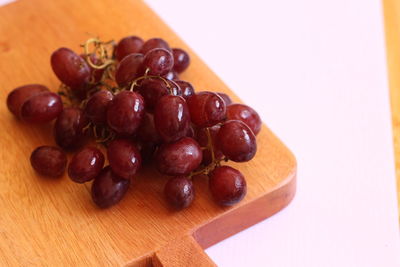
{"x": 210, "y": 233}
{"x": 255, "y": 211}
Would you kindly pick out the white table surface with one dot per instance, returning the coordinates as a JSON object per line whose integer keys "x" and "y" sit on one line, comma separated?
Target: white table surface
{"x": 315, "y": 70}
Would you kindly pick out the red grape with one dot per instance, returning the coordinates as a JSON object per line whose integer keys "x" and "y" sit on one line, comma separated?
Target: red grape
{"x": 124, "y": 158}
{"x": 96, "y": 107}
{"x": 147, "y": 131}
{"x": 171, "y": 75}
{"x": 227, "y": 185}
{"x": 17, "y": 97}
{"x": 226, "y": 98}
{"x": 158, "y": 61}
{"x": 171, "y": 118}
{"x": 206, "y": 109}
{"x": 154, "y": 43}
{"x": 186, "y": 87}
{"x": 49, "y": 161}
{"x": 179, "y": 192}
{"x": 128, "y": 69}
{"x": 181, "y": 59}
{"x": 128, "y": 45}
{"x": 108, "y": 189}
{"x": 68, "y": 128}
{"x": 245, "y": 114}
{"x": 42, "y": 107}
{"x": 237, "y": 141}
{"x": 70, "y": 68}
{"x": 152, "y": 90}
{"x": 202, "y": 139}
{"x": 174, "y": 88}
{"x": 86, "y": 165}
{"x": 179, "y": 158}
{"x": 125, "y": 112}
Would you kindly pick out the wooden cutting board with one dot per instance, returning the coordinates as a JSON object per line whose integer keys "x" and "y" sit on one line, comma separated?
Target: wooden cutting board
{"x": 46, "y": 222}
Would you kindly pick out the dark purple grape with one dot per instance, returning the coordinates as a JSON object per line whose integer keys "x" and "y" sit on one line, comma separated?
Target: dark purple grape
{"x": 108, "y": 189}
{"x": 237, "y": 141}
{"x": 125, "y": 112}
{"x": 202, "y": 139}
{"x": 179, "y": 158}
{"x": 227, "y": 185}
{"x": 41, "y": 108}
{"x": 171, "y": 118}
{"x": 96, "y": 107}
{"x": 17, "y": 97}
{"x": 124, "y": 158}
{"x": 128, "y": 69}
{"x": 171, "y": 75}
{"x": 128, "y": 45}
{"x": 152, "y": 90}
{"x": 245, "y": 114}
{"x": 206, "y": 109}
{"x": 70, "y": 68}
{"x": 147, "y": 131}
{"x": 158, "y": 62}
{"x": 186, "y": 87}
{"x": 69, "y": 128}
{"x": 49, "y": 161}
{"x": 154, "y": 43}
{"x": 179, "y": 192}
{"x": 86, "y": 165}
{"x": 226, "y": 98}
{"x": 181, "y": 59}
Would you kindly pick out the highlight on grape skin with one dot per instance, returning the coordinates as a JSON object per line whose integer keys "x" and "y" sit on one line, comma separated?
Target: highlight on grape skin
{"x": 129, "y": 106}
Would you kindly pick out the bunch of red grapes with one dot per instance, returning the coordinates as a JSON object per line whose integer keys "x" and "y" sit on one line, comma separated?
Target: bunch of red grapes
{"x": 129, "y": 98}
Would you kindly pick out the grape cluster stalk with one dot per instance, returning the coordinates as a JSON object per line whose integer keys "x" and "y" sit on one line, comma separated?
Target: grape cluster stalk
{"x": 128, "y": 97}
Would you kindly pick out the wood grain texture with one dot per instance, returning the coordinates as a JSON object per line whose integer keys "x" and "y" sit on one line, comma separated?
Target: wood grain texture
{"x": 392, "y": 26}
{"x": 183, "y": 251}
{"x": 46, "y": 222}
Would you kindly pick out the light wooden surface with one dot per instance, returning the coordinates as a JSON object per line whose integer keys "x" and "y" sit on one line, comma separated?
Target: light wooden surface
{"x": 182, "y": 252}
{"x": 392, "y": 26}
{"x": 47, "y": 222}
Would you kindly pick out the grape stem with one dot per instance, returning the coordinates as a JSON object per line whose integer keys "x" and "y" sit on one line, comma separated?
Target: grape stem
{"x": 145, "y": 76}
{"x": 101, "y": 50}
{"x": 109, "y": 73}
{"x": 105, "y": 135}
{"x": 87, "y": 127}
{"x": 65, "y": 92}
{"x": 214, "y": 162}
{"x": 205, "y": 170}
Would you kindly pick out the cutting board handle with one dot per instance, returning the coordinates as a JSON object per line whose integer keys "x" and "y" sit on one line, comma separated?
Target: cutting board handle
{"x": 183, "y": 251}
